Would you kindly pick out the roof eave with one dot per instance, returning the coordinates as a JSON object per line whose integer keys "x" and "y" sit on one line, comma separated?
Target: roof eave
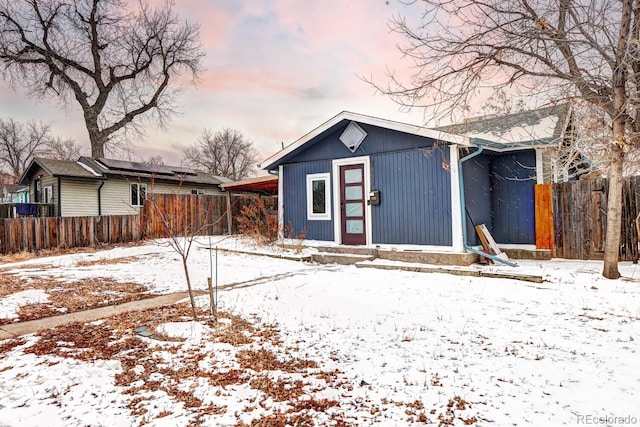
{"x": 277, "y": 158}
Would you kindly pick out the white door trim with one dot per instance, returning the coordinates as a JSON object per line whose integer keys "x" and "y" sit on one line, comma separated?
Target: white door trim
{"x": 337, "y": 221}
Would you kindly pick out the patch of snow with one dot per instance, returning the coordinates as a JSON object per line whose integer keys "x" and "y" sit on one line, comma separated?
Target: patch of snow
{"x": 10, "y": 304}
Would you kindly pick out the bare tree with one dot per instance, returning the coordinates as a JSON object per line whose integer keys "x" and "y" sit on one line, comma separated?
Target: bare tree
{"x": 225, "y": 153}
{"x": 589, "y": 49}
{"x": 155, "y": 160}
{"x": 62, "y": 149}
{"x": 182, "y": 218}
{"x": 19, "y": 143}
{"x": 115, "y": 62}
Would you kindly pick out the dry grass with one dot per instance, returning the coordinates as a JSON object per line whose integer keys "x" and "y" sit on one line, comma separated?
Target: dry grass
{"x": 24, "y": 255}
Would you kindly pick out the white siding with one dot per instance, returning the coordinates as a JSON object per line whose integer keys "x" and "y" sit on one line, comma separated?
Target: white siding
{"x": 116, "y": 198}
{"x": 79, "y": 198}
{"x": 116, "y": 195}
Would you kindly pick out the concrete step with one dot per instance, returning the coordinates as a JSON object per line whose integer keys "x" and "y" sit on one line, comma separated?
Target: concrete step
{"x": 340, "y": 258}
{"x": 355, "y": 250}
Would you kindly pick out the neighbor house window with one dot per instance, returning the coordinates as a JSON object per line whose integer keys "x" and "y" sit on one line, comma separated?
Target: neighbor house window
{"x": 47, "y": 194}
{"x": 37, "y": 184}
{"x": 199, "y": 191}
{"x": 138, "y": 194}
{"x": 318, "y": 197}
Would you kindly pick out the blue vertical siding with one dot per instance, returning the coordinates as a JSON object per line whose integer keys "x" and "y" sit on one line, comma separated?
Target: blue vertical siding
{"x": 513, "y": 177}
{"x": 477, "y": 194}
{"x": 378, "y": 140}
{"x": 295, "y": 200}
{"x": 415, "y": 194}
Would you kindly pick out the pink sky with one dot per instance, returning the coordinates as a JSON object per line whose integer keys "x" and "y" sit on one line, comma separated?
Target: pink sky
{"x": 275, "y": 70}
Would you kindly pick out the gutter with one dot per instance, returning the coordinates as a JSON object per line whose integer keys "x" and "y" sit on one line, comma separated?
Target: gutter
{"x": 463, "y": 210}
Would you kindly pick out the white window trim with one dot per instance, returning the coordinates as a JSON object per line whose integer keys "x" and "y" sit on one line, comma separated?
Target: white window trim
{"x": 139, "y": 185}
{"x": 326, "y": 216}
{"x": 47, "y": 194}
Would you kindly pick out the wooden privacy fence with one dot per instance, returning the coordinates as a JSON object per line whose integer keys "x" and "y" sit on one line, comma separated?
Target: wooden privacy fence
{"x": 164, "y": 215}
{"x": 580, "y": 218}
{"x": 161, "y": 215}
{"x": 34, "y": 234}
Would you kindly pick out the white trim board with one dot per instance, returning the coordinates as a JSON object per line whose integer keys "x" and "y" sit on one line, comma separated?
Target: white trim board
{"x": 335, "y": 167}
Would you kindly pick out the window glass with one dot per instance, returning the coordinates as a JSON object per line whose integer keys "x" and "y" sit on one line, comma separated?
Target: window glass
{"x": 134, "y": 194}
{"x": 353, "y": 193}
{"x": 319, "y": 202}
{"x": 353, "y": 209}
{"x": 355, "y": 226}
{"x": 352, "y": 176}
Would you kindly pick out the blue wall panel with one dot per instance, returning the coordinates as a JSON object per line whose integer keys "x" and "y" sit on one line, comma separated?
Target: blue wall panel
{"x": 295, "y": 200}
{"x": 415, "y": 194}
{"x": 477, "y": 193}
{"x": 378, "y": 140}
{"x": 513, "y": 177}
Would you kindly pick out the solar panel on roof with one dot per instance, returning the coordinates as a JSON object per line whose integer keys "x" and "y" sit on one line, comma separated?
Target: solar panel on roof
{"x": 124, "y": 165}
{"x": 183, "y": 171}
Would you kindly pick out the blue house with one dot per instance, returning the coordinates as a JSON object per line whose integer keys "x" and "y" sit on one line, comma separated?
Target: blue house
{"x": 361, "y": 180}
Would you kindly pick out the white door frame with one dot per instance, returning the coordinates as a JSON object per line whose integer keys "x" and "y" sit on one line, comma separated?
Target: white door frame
{"x": 337, "y": 221}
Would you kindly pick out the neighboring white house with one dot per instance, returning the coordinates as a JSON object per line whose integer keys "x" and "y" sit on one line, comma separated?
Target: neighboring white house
{"x": 90, "y": 187}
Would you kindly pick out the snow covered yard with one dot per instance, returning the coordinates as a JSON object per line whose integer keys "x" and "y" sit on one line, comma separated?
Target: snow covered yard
{"x": 304, "y": 344}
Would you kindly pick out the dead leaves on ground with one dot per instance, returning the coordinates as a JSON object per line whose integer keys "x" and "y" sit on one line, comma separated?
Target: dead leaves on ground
{"x": 235, "y": 354}
{"x": 69, "y": 297}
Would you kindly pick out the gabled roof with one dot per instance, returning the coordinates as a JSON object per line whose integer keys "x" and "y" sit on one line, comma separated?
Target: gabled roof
{"x": 101, "y": 169}
{"x": 61, "y": 168}
{"x": 526, "y": 129}
{"x": 326, "y": 127}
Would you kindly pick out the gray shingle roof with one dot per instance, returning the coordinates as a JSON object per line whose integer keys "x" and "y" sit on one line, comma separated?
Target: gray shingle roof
{"x": 89, "y": 168}
{"x": 542, "y": 126}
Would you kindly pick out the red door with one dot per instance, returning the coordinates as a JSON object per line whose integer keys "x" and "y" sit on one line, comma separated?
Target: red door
{"x": 352, "y": 205}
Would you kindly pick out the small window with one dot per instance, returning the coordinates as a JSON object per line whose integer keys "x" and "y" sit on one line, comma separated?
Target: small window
{"x": 138, "y": 194}
{"x": 318, "y": 197}
{"x": 198, "y": 191}
{"x": 37, "y": 197}
{"x": 47, "y": 194}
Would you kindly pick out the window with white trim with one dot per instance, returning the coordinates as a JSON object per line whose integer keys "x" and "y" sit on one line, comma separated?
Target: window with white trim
{"x": 47, "y": 194}
{"x": 318, "y": 197}
{"x": 138, "y": 194}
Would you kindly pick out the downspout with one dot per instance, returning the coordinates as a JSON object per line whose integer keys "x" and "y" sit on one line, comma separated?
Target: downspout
{"x": 100, "y": 199}
{"x": 463, "y": 210}
{"x": 59, "y": 197}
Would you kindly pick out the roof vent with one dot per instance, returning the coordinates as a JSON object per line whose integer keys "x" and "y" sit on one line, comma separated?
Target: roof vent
{"x": 353, "y": 136}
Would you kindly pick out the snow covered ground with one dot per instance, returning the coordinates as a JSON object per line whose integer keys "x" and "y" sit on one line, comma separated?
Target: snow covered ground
{"x": 460, "y": 350}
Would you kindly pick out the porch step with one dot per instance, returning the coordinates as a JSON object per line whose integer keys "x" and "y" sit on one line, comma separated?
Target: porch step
{"x": 352, "y": 250}
{"x": 425, "y": 257}
{"x": 340, "y": 258}
{"x": 535, "y": 254}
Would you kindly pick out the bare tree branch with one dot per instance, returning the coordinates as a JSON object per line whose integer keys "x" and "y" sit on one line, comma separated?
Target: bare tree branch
{"x": 588, "y": 50}
{"x": 225, "y": 153}
{"x": 116, "y": 63}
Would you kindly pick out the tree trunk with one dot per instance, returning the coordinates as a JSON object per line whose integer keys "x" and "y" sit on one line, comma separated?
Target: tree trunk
{"x": 614, "y": 215}
{"x": 193, "y": 301}
{"x": 96, "y": 137}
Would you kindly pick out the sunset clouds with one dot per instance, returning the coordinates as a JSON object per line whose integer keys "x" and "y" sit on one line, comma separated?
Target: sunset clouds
{"x": 275, "y": 69}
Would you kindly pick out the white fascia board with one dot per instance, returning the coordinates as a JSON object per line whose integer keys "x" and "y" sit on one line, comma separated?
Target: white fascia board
{"x": 374, "y": 121}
